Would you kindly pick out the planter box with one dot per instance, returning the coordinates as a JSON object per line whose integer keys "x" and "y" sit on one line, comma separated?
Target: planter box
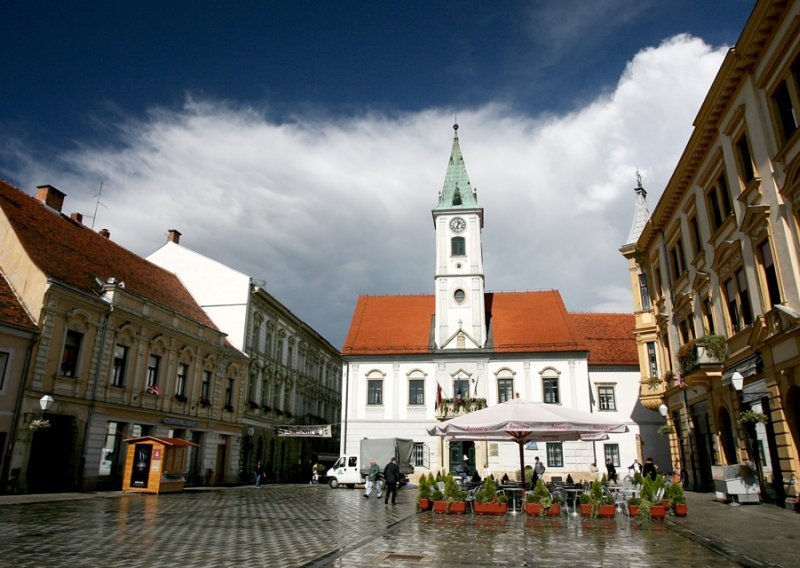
{"x": 633, "y": 510}
{"x": 533, "y": 509}
{"x": 440, "y": 506}
{"x": 658, "y": 511}
{"x": 554, "y": 510}
{"x": 680, "y": 509}
{"x": 606, "y": 511}
{"x": 457, "y": 507}
{"x": 489, "y": 508}
{"x": 586, "y": 509}
{"x": 424, "y": 504}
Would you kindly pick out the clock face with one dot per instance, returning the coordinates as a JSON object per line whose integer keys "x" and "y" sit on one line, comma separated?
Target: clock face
{"x": 457, "y": 224}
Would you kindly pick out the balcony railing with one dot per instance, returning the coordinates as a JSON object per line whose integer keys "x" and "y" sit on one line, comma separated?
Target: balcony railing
{"x": 710, "y": 350}
{"x": 452, "y": 407}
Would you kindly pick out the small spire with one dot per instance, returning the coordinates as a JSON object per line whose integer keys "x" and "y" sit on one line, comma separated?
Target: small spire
{"x": 455, "y": 129}
{"x": 641, "y": 213}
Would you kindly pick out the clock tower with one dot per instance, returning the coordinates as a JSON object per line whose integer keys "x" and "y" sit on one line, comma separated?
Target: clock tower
{"x": 460, "y": 320}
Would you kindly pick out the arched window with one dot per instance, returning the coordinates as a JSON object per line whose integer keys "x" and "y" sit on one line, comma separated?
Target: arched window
{"x": 550, "y": 389}
{"x": 375, "y": 388}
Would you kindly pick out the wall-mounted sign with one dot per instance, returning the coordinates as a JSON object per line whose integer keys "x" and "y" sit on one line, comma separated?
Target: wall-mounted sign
{"x": 313, "y": 431}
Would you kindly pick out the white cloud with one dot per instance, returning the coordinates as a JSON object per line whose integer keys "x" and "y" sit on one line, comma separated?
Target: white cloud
{"x": 325, "y": 209}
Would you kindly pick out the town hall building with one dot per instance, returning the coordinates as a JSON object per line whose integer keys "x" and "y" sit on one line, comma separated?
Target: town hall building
{"x": 413, "y": 360}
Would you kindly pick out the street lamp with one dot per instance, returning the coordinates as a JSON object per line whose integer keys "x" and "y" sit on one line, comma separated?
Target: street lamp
{"x": 737, "y": 380}
{"x": 662, "y": 409}
{"x": 45, "y": 403}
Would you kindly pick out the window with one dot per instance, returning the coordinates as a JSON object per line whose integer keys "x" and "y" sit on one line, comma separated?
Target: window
{"x": 708, "y": 317}
{"x": 120, "y": 362}
{"x": 375, "y": 391}
{"x": 605, "y": 396}
{"x": 744, "y": 160}
{"x": 72, "y": 348}
{"x": 676, "y": 260}
{"x": 152, "y": 370}
{"x": 785, "y": 100}
{"x": 256, "y": 337}
{"x": 421, "y": 455}
{"x": 657, "y": 274}
{"x": 694, "y": 234}
{"x": 773, "y": 291}
{"x": 205, "y": 386}
{"x": 180, "y": 382}
{"x": 612, "y": 452}
{"x": 555, "y": 454}
{"x": 686, "y": 328}
{"x": 738, "y": 301}
{"x": 719, "y": 202}
{"x": 3, "y": 365}
{"x": 460, "y": 387}
{"x": 229, "y": 393}
{"x": 550, "y": 386}
{"x": 458, "y": 246}
{"x": 652, "y": 360}
{"x": 416, "y": 391}
{"x": 505, "y": 390}
{"x": 784, "y": 111}
{"x": 459, "y": 296}
{"x": 644, "y": 292}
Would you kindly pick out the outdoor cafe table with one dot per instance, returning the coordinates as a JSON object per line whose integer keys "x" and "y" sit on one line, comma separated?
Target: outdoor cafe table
{"x": 572, "y": 494}
{"x": 515, "y": 492}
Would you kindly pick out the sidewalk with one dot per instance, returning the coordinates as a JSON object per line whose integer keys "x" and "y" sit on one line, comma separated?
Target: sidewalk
{"x": 751, "y": 535}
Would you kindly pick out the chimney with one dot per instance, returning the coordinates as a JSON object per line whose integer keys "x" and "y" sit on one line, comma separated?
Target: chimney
{"x": 174, "y": 236}
{"x": 50, "y": 196}
{"x": 104, "y": 233}
{"x": 77, "y": 217}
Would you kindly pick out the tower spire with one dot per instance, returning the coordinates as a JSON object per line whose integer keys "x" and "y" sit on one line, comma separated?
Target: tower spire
{"x": 457, "y": 191}
{"x": 641, "y": 214}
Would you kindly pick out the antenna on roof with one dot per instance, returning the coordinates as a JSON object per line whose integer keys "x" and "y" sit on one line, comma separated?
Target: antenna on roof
{"x": 97, "y": 203}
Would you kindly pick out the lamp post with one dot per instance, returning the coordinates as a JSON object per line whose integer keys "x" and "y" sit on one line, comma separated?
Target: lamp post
{"x": 45, "y": 403}
{"x": 662, "y": 410}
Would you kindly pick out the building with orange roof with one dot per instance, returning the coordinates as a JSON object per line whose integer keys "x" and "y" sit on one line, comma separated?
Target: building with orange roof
{"x": 411, "y": 360}
{"x": 122, "y": 349}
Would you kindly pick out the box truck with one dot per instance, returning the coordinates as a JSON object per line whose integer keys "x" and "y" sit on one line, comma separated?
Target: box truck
{"x": 351, "y": 469}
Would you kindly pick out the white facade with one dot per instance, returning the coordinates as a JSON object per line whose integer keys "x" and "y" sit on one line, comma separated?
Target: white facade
{"x": 389, "y": 392}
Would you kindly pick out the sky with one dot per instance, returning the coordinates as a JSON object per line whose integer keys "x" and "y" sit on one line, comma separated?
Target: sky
{"x": 304, "y": 143}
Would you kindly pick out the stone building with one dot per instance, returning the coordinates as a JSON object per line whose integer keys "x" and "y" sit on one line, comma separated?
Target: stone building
{"x": 294, "y": 374}
{"x": 122, "y": 349}
{"x": 415, "y": 359}
{"x": 715, "y": 269}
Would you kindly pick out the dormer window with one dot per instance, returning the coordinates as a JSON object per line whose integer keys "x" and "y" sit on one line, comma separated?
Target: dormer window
{"x": 457, "y": 197}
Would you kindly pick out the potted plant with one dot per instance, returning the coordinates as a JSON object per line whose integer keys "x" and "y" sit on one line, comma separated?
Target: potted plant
{"x": 424, "y": 501}
{"x": 660, "y": 487}
{"x": 456, "y": 498}
{"x": 677, "y": 500}
{"x": 437, "y": 496}
{"x": 533, "y": 499}
{"x": 553, "y": 508}
{"x": 486, "y": 500}
{"x": 633, "y": 506}
{"x": 585, "y": 504}
{"x": 665, "y": 429}
{"x": 646, "y": 495}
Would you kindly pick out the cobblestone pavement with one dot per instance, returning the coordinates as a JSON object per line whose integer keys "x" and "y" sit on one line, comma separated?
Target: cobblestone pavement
{"x": 296, "y": 525}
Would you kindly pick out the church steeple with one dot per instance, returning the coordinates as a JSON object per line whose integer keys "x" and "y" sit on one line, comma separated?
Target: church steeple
{"x": 460, "y": 319}
{"x": 457, "y": 191}
{"x": 641, "y": 214}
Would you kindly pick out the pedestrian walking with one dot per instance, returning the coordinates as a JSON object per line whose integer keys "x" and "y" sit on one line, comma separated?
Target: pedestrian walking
{"x": 260, "y": 474}
{"x": 373, "y": 474}
{"x": 392, "y": 475}
{"x": 635, "y": 466}
{"x": 538, "y": 471}
{"x": 315, "y": 474}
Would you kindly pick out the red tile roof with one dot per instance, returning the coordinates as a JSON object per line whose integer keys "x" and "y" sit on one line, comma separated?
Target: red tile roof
{"x": 609, "y": 336}
{"x": 72, "y": 253}
{"x": 12, "y": 312}
{"x": 519, "y": 322}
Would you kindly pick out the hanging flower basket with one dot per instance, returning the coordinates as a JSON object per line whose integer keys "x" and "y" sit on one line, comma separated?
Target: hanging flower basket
{"x": 752, "y": 417}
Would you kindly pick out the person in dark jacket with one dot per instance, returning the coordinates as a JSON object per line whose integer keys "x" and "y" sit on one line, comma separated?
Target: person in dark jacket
{"x": 392, "y": 475}
{"x": 612, "y": 471}
{"x": 649, "y": 469}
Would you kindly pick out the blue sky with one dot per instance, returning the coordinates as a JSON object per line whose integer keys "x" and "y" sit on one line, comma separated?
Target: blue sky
{"x": 304, "y": 142}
